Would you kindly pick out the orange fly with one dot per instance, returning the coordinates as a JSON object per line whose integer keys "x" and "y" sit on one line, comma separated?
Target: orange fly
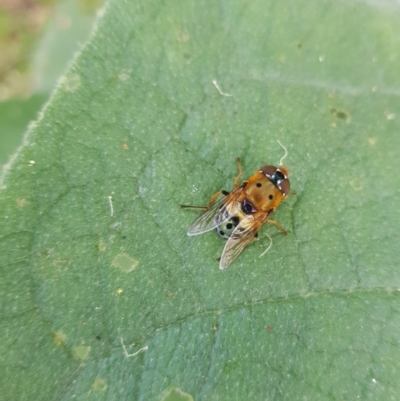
{"x": 239, "y": 215}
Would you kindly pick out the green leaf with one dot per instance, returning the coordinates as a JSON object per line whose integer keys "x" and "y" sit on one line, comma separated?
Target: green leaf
{"x": 69, "y": 27}
{"x": 15, "y": 115}
{"x": 105, "y": 297}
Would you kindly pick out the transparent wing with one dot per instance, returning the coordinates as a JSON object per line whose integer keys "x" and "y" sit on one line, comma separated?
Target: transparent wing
{"x": 220, "y": 212}
{"x": 243, "y": 234}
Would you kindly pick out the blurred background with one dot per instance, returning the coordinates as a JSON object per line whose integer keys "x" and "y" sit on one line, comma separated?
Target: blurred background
{"x": 38, "y": 40}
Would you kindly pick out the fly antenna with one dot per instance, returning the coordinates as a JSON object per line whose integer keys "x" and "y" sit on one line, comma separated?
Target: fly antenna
{"x": 284, "y": 156}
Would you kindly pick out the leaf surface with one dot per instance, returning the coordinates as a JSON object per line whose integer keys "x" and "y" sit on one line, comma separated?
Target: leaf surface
{"x": 105, "y": 297}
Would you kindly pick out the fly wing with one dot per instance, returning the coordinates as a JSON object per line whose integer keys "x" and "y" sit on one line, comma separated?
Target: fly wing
{"x": 243, "y": 234}
{"x": 220, "y": 212}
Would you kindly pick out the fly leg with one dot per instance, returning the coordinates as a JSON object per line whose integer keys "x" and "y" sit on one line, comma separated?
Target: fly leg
{"x": 275, "y": 223}
{"x": 221, "y": 192}
{"x": 237, "y": 178}
{"x": 209, "y": 203}
{"x": 193, "y": 207}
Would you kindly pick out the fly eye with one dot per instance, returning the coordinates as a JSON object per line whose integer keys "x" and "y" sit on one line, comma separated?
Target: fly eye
{"x": 247, "y": 207}
{"x": 268, "y": 170}
{"x": 277, "y": 177}
{"x": 285, "y": 186}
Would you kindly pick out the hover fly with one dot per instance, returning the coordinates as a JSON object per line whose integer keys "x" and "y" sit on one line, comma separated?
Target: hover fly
{"x": 238, "y": 215}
